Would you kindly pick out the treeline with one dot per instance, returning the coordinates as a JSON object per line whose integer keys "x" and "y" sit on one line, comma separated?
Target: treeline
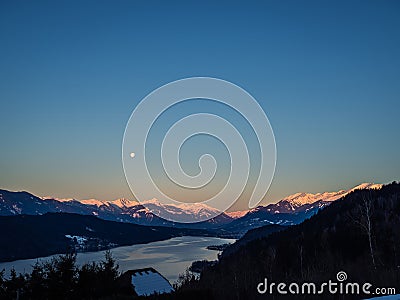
{"x": 61, "y": 278}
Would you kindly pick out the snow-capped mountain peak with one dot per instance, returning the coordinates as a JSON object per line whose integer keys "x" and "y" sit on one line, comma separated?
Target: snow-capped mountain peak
{"x": 93, "y": 202}
{"x": 123, "y": 202}
{"x": 189, "y": 211}
{"x": 367, "y": 185}
{"x": 57, "y": 199}
{"x": 300, "y": 199}
{"x": 237, "y": 214}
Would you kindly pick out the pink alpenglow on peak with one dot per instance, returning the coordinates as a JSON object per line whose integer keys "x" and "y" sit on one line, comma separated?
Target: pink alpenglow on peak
{"x": 237, "y": 214}
{"x": 123, "y": 202}
{"x": 299, "y": 199}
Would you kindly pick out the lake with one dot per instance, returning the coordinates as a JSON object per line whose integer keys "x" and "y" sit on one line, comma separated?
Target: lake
{"x": 170, "y": 257}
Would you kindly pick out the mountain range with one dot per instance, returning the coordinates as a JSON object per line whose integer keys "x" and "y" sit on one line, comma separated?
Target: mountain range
{"x": 290, "y": 210}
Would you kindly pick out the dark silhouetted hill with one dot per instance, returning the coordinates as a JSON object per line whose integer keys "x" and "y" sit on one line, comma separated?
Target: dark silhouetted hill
{"x": 358, "y": 234}
{"x": 28, "y": 236}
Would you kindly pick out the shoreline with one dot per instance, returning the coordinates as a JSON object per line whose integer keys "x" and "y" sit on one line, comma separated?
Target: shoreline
{"x": 171, "y": 256}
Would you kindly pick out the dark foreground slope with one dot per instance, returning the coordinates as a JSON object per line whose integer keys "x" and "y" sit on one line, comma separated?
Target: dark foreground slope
{"x": 251, "y": 235}
{"x": 27, "y": 236}
{"x": 358, "y": 235}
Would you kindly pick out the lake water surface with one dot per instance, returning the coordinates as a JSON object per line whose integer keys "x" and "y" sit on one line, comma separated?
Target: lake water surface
{"x": 170, "y": 257}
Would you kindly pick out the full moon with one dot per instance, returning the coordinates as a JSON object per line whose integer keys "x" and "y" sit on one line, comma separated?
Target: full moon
{"x": 132, "y": 154}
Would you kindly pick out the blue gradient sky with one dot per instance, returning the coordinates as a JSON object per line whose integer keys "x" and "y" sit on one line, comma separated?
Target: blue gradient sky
{"x": 326, "y": 73}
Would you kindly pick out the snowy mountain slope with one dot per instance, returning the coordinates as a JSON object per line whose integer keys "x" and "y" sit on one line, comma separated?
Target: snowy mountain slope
{"x": 292, "y": 209}
{"x": 307, "y": 201}
{"x": 237, "y": 214}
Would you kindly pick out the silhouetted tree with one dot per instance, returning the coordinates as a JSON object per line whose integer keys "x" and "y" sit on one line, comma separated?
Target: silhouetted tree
{"x": 363, "y": 219}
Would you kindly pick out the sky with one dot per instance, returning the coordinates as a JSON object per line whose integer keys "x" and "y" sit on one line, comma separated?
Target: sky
{"x": 326, "y": 73}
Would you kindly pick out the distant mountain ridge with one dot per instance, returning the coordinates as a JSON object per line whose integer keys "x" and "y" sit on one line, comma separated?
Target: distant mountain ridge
{"x": 121, "y": 210}
{"x": 290, "y": 210}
